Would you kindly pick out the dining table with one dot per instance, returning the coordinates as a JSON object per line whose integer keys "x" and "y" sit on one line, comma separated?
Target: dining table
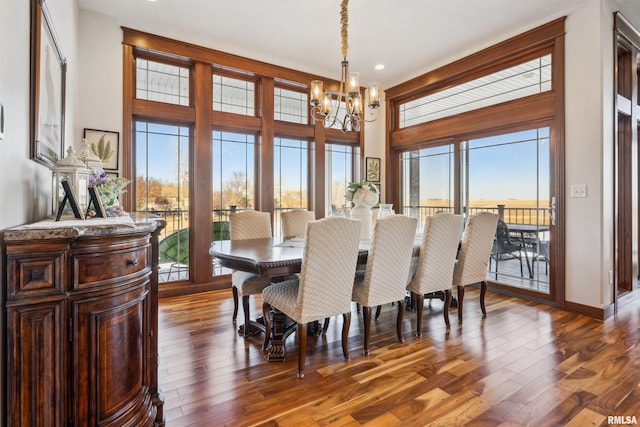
{"x": 527, "y": 233}
{"x": 278, "y": 260}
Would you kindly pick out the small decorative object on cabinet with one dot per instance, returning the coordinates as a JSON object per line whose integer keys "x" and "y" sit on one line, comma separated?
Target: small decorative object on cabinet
{"x": 81, "y": 302}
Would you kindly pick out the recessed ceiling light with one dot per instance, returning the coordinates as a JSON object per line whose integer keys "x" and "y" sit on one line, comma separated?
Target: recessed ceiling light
{"x": 379, "y": 67}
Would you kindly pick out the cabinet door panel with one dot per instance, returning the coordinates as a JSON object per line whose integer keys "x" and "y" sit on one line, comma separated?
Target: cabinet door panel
{"x": 112, "y": 338}
{"x": 36, "y": 371}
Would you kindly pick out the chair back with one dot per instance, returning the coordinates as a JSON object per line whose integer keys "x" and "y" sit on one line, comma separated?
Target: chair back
{"x": 294, "y": 223}
{"x": 389, "y": 260}
{"x": 476, "y": 249}
{"x": 249, "y": 225}
{"x": 328, "y": 267}
{"x": 440, "y": 242}
{"x": 502, "y": 237}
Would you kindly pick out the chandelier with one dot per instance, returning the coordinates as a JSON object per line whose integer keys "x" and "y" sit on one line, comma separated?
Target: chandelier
{"x": 345, "y": 108}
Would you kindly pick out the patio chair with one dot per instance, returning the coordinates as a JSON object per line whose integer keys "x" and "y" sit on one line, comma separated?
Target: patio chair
{"x": 504, "y": 248}
{"x": 324, "y": 286}
{"x": 387, "y": 272}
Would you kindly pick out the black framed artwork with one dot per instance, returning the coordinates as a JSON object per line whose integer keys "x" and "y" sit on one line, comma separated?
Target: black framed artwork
{"x": 373, "y": 169}
{"x": 47, "y": 88}
{"x": 104, "y": 144}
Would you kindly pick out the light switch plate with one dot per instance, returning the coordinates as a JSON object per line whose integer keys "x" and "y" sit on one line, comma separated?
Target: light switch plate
{"x": 579, "y": 190}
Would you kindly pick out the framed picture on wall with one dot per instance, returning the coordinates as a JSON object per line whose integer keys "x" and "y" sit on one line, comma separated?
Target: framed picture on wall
{"x": 48, "y": 86}
{"x": 373, "y": 169}
{"x": 104, "y": 144}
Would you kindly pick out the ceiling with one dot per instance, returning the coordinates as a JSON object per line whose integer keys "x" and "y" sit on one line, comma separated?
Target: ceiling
{"x": 410, "y": 37}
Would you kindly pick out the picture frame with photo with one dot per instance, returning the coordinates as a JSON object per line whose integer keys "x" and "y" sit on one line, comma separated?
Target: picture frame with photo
{"x": 106, "y": 145}
{"x": 373, "y": 169}
{"x": 47, "y": 88}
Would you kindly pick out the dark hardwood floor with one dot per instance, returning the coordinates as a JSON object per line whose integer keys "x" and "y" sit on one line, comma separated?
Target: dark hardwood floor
{"x": 525, "y": 364}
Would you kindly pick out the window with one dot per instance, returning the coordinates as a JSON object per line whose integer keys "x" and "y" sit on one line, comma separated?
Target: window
{"x": 291, "y": 177}
{"x": 162, "y": 188}
{"x": 233, "y": 155}
{"x": 525, "y": 79}
{"x": 160, "y": 82}
{"x": 291, "y": 106}
{"x": 340, "y": 171}
{"x": 428, "y": 181}
{"x": 233, "y": 171}
{"x": 233, "y": 95}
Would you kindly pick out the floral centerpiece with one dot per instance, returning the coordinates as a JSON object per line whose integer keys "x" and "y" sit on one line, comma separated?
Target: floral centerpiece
{"x": 362, "y": 193}
{"x": 109, "y": 189}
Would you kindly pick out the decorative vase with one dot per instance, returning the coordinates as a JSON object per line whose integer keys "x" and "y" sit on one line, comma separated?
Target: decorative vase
{"x": 363, "y": 213}
{"x": 364, "y": 200}
{"x": 385, "y": 210}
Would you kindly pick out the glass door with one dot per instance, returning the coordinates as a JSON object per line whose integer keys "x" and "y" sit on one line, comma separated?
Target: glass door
{"x": 508, "y": 174}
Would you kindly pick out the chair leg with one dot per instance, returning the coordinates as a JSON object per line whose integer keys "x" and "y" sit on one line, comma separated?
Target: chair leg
{"x": 483, "y": 291}
{"x": 235, "y": 302}
{"x": 366, "y": 318}
{"x": 399, "y": 321}
{"x": 497, "y": 267}
{"x": 345, "y": 334}
{"x": 325, "y": 326}
{"x": 419, "y": 299}
{"x": 302, "y": 347}
{"x": 447, "y": 304}
{"x": 378, "y": 310}
{"x": 266, "y": 313}
{"x": 520, "y": 258}
{"x": 460, "y": 298}
{"x": 247, "y": 321}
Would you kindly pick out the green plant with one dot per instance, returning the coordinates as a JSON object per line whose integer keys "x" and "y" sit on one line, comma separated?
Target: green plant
{"x": 103, "y": 150}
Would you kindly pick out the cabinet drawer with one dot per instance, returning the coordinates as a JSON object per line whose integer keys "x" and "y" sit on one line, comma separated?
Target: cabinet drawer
{"x": 96, "y": 267}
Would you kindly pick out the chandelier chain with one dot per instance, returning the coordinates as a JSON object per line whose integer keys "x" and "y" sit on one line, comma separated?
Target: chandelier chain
{"x": 344, "y": 24}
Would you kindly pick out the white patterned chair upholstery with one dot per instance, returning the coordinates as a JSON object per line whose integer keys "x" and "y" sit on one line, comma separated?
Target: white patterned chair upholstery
{"x": 294, "y": 223}
{"x": 247, "y": 225}
{"x": 434, "y": 269}
{"x": 387, "y": 272}
{"x": 323, "y": 288}
{"x": 473, "y": 259}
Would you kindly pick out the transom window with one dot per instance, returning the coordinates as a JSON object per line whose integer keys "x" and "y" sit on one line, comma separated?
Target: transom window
{"x": 156, "y": 81}
{"x": 291, "y": 106}
{"x": 522, "y": 80}
{"x": 233, "y": 95}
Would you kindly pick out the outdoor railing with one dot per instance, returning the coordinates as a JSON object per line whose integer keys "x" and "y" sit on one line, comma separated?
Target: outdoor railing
{"x": 517, "y": 215}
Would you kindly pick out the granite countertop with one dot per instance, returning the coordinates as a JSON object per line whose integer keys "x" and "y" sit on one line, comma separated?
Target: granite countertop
{"x": 74, "y": 228}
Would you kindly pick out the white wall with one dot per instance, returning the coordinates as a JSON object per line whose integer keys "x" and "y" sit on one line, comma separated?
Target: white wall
{"x": 100, "y": 71}
{"x": 25, "y": 188}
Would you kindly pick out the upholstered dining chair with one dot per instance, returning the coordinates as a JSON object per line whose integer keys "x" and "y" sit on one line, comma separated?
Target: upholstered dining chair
{"x": 434, "y": 269}
{"x": 387, "y": 271}
{"x": 247, "y": 225}
{"x": 294, "y": 223}
{"x": 323, "y": 288}
{"x": 474, "y": 255}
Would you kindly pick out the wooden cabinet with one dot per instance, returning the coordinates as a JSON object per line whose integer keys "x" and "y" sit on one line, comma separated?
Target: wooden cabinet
{"x": 81, "y": 304}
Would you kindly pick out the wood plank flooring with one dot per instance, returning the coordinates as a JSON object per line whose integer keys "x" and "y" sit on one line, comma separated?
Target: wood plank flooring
{"x": 525, "y": 364}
